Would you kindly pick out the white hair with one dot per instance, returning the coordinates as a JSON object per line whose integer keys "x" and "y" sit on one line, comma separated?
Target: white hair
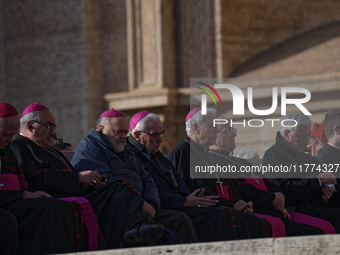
{"x": 291, "y": 119}
{"x": 141, "y": 125}
{"x": 28, "y": 116}
{"x": 197, "y": 118}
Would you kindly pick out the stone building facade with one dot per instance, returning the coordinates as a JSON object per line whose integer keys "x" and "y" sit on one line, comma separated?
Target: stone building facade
{"x": 81, "y": 57}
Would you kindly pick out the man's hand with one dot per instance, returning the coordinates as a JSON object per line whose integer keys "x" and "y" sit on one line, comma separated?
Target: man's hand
{"x": 200, "y": 200}
{"x": 149, "y": 209}
{"x": 279, "y": 204}
{"x": 314, "y": 146}
{"x": 91, "y": 178}
{"x": 243, "y": 206}
{"x": 327, "y": 193}
{"x": 36, "y": 194}
{"x": 327, "y": 178}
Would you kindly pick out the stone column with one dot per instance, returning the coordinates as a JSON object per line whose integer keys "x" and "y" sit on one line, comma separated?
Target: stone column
{"x": 151, "y": 61}
{"x": 168, "y": 42}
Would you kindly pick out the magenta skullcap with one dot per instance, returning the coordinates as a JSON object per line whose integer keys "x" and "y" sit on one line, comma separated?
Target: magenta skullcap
{"x": 7, "y": 110}
{"x": 34, "y": 107}
{"x": 136, "y": 118}
{"x": 192, "y": 112}
{"x": 112, "y": 113}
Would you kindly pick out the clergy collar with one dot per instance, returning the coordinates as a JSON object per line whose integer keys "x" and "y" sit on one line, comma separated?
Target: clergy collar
{"x": 101, "y": 139}
{"x": 281, "y": 142}
{"x": 138, "y": 145}
{"x": 196, "y": 145}
{"x": 333, "y": 146}
{"x": 31, "y": 140}
{"x": 224, "y": 153}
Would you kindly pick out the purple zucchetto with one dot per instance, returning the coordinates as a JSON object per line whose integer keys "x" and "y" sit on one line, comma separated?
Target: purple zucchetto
{"x": 136, "y": 118}
{"x": 112, "y": 113}
{"x": 192, "y": 112}
{"x": 34, "y": 107}
{"x": 7, "y": 110}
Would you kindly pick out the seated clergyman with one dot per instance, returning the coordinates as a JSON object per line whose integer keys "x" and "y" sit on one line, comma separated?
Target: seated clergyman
{"x": 313, "y": 196}
{"x": 47, "y": 169}
{"x": 104, "y": 149}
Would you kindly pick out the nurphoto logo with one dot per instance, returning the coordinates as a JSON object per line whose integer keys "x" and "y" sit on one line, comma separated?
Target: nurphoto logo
{"x": 222, "y": 92}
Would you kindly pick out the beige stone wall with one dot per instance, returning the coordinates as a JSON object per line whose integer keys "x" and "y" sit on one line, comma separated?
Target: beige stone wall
{"x": 250, "y": 27}
{"x": 44, "y": 60}
{"x": 81, "y": 57}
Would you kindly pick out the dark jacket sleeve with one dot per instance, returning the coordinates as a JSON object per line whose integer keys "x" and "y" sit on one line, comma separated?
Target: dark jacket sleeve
{"x": 169, "y": 200}
{"x": 176, "y": 157}
{"x": 150, "y": 193}
{"x": 90, "y": 155}
{"x": 89, "y": 158}
{"x": 41, "y": 174}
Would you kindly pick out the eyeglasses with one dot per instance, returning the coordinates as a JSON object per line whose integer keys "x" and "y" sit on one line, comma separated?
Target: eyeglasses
{"x": 229, "y": 130}
{"x": 50, "y": 126}
{"x": 154, "y": 134}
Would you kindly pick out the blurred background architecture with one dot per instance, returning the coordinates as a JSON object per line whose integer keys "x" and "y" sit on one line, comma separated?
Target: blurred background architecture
{"x": 82, "y": 57}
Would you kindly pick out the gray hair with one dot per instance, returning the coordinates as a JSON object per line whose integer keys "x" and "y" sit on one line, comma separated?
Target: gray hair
{"x": 331, "y": 120}
{"x": 197, "y": 118}
{"x": 142, "y": 123}
{"x": 28, "y": 116}
{"x": 102, "y": 121}
{"x": 290, "y": 119}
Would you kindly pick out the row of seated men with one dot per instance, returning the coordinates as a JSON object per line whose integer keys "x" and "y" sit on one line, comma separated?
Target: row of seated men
{"x": 120, "y": 191}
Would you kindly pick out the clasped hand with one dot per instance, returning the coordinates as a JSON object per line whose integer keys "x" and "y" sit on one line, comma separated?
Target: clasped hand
{"x": 196, "y": 198}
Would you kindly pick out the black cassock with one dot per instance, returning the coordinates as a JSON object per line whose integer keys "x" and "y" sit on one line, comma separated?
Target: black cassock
{"x": 211, "y": 223}
{"x": 117, "y": 206}
{"x": 303, "y": 193}
{"x": 45, "y": 225}
{"x": 9, "y": 233}
{"x": 262, "y": 199}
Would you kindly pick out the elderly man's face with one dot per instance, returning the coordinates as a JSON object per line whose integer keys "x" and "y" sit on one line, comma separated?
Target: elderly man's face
{"x": 9, "y": 126}
{"x": 298, "y": 140}
{"x": 43, "y": 133}
{"x": 206, "y": 133}
{"x": 225, "y": 138}
{"x": 115, "y": 132}
{"x": 150, "y": 137}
